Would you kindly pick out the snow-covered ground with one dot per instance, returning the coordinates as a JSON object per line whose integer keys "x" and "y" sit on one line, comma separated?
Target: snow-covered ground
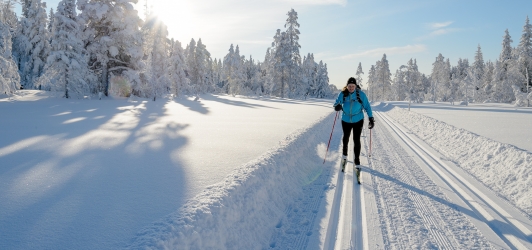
{"x": 90, "y": 174}
{"x": 501, "y": 122}
{"x": 244, "y": 173}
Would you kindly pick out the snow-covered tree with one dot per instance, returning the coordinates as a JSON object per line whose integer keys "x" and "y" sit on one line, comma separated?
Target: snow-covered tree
{"x": 309, "y": 71}
{"x": 440, "y": 79}
{"x": 524, "y": 50}
{"x": 67, "y": 69}
{"x": 177, "y": 69}
{"x": 8, "y": 15}
{"x": 156, "y": 75}
{"x": 293, "y": 63}
{"x": 51, "y": 22}
{"x": 406, "y": 81}
{"x": 251, "y": 72}
{"x": 383, "y": 80}
{"x": 33, "y": 42}
{"x": 9, "y": 77}
{"x": 400, "y": 86}
{"x": 371, "y": 82}
{"x": 359, "y": 74}
{"x": 322, "y": 82}
{"x": 281, "y": 57}
{"x": 198, "y": 59}
{"x": 233, "y": 71}
{"x": 506, "y": 73}
{"x": 113, "y": 39}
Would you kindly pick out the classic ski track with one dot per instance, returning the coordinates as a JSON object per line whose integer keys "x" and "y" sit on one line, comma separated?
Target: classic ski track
{"x": 400, "y": 184}
{"x": 485, "y": 208}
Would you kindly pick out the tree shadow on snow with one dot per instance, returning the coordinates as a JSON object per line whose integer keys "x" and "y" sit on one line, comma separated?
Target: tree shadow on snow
{"x": 231, "y": 101}
{"x": 96, "y": 171}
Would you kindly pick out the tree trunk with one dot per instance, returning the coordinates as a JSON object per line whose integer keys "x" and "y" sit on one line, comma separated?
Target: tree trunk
{"x": 105, "y": 79}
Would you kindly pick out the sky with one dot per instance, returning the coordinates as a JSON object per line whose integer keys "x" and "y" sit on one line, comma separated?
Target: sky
{"x": 345, "y": 33}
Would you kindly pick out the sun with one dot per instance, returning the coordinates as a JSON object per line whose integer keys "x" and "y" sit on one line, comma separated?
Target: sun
{"x": 179, "y": 16}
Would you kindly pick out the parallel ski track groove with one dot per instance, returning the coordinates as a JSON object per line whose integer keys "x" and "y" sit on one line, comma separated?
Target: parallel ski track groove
{"x": 510, "y": 239}
{"x": 427, "y": 216}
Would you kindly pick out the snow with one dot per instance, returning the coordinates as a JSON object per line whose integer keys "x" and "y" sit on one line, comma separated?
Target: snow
{"x": 247, "y": 173}
{"x": 89, "y": 174}
{"x": 500, "y": 122}
{"x": 504, "y": 168}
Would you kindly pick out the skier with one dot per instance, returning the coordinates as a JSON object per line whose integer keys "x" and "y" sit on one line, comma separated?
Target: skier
{"x": 351, "y": 101}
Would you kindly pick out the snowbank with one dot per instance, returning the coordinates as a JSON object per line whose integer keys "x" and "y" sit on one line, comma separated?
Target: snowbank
{"x": 242, "y": 211}
{"x": 504, "y": 168}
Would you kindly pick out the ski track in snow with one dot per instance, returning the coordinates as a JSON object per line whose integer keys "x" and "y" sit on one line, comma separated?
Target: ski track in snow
{"x": 502, "y": 167}
{"x": 414, "y": 213}
{"x": 271, "y": 202}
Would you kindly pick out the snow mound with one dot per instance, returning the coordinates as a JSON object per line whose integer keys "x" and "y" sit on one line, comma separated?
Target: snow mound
{"x": 502, "y": 167}
{"x": 242, "y": 211}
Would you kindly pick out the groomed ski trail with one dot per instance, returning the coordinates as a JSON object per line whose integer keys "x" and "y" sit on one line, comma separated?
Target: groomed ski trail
{"x": 501, "y": 225}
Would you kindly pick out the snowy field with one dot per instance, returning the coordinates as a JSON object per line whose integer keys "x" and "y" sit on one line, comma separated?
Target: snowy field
{"x": 244, "y": 173}
{"x": 500, "y": 122}
{"x": 89, "y": 174}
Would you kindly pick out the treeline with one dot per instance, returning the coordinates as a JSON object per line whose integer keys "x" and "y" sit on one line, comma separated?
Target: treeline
{"x": 507, "y": 80}
{"x": 107, "y": 49}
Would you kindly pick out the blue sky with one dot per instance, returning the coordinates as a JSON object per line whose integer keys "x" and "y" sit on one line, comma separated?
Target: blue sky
{"x": 343, "y": 33}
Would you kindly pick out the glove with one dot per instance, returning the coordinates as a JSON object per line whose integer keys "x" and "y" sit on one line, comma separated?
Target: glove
{"x": 371, "y": 123}
{"x": 338, "y": 107}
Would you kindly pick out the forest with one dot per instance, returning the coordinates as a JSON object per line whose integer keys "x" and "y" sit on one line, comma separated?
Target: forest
{"x": 89, "y": 48}
{"x": 506, "y": 80}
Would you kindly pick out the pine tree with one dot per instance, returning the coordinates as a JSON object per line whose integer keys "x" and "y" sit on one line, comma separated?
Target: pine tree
{"x": 478, "y": 71}
{"x": 506, "y": 72}
{"x": 26, "y": 5}
{"x": 33, "y": 42}
{"x": 383, "y": 81}
{"x": 372, "y": 82}
{"x": 293, "y": 63}
{"x": 281, "y": 57}
{"x": 9, "y": 77}
{"x": 323, "y": 90}
{"x": 113, "y": 39}
{"x": 10, "y": 19}
{"x": 525, "y": 53}
{"x": 440, "y": 78}
{"x": 359, "y": 74}
{"x": 51, "y": 22}
{"x": 309, "y": 75}
{"x": 178, "y": 69}
{"x": 203, "y": 59}
{"x": 67, "y": 69}
{"x": 156, "y": 50}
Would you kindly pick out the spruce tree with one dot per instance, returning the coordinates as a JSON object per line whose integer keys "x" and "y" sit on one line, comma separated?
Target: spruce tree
{"x": 524, "y": 50}
{"x": 9, "y": 77}
{"x": 359, "y": 74}
{"x": 33, "y": 43}
{"x": 67, "y": 69}
{"x": 112, "y": 38}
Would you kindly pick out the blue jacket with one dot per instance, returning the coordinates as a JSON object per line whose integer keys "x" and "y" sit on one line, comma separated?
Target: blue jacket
{"x": 352, "y": 109}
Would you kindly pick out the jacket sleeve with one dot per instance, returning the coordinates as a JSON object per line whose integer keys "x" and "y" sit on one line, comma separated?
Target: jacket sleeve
{"x": 366, "y": 104}
{"x": 339, "y": 99}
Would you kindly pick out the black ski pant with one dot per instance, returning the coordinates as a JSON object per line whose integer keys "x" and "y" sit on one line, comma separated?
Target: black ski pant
{"x": 357, "y": 131}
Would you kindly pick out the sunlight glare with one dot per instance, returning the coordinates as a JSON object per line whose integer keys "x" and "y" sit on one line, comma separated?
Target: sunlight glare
{"x": 179, "y": 16}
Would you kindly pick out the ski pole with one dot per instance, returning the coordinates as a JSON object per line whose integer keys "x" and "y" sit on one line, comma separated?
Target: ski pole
{"x": 330, "y": 137}
{"x": 370, "y": 143}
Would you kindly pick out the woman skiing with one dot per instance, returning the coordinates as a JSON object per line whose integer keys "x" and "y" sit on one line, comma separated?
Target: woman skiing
{"x": 351, "y": 101}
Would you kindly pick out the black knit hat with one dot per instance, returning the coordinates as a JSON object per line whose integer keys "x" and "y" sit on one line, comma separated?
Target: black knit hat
{"x": 352, "y": 80}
